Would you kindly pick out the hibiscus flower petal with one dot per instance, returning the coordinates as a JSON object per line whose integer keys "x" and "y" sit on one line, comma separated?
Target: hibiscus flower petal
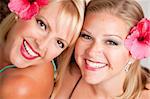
{"x": 25, "y": 9}
{"x": 138, "y": 40}
{"x": 128, "y": 43}
{"x": 30, "y": 11}
{"x": 140, "y": 50}
{"x": 42, "y": 2}
{"x": 17, "y": 6}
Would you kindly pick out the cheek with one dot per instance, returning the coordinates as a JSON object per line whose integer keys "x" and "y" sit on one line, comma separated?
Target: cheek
{"x": 118, "y": 58}
{"x": 79, "y": 49}
{"x": 82, "y": 45}
{"x": 76, "y": 52}
{"x": 16, "y": 33}
{"x": 24, "y": 28}
{"x": 52, "y": 52}
{"x": 79, "y": 54}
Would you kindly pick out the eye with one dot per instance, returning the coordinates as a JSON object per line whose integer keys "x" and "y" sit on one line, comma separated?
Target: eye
{"x": 111, "y": 42}
{"x": 41, "y": 24}
{"x": 60, "y": 44}
{"x": 85, "y": 36}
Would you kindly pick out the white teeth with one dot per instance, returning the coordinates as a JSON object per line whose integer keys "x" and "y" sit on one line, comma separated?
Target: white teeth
{"x": 95, "y": 65}
{"x": 29, "y": 50}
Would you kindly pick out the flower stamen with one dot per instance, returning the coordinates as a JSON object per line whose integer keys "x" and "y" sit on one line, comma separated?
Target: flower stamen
{"x": 31, "y": 1}
{"x": 141, "y": 38}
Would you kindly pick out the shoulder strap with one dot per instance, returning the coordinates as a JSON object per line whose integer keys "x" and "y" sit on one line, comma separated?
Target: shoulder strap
{"x": 74, "y": 87}
{"x": 6, "y": 67}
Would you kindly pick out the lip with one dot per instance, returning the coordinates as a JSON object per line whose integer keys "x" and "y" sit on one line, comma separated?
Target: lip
{"x": 25, "y": 53}
{"x": 92, "y": 68}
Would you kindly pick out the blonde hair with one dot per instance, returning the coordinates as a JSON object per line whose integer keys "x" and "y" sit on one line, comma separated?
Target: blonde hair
{"x": 131, "y": 12}
{"x": 6, "y": 25}
{"x": 76, "y": 9}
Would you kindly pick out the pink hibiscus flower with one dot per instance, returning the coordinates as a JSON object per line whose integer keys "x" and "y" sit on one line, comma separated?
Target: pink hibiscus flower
{"x": 138, "y": 40}
{"x": 26, "y": 9}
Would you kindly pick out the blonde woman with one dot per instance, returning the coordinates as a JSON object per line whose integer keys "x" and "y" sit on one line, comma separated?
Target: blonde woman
{"x": 30, "y": 42}
{"x": 115, "y": 36}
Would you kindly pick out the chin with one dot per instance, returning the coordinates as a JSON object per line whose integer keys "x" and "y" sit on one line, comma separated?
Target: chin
{"x": 19, "y": 62}
{"x": 92, "y": 81}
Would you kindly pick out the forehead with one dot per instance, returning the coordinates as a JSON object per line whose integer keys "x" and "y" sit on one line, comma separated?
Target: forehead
{"x": 50, "y": 12}
{"x": 105, "y": 23}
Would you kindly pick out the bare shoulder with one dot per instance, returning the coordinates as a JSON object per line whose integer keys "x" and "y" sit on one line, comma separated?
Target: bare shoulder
{"x": 25, "y": 83}
{"x": 18, "y": 86}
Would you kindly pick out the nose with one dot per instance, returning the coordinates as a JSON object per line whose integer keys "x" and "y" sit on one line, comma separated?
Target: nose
{"x": 44, "y": 43}
{"x": 95, "y": 50}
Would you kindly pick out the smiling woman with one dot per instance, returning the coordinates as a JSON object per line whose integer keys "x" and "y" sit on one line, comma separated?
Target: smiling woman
{"x": 106, "y": 61}
{"x": 29, "y": 41}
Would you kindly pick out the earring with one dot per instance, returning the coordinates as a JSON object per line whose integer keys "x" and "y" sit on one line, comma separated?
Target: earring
{"x": 16, "y": 17}
{"x": 126, "y": 68}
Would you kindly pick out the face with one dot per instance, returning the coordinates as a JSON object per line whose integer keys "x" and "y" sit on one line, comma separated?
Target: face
{"x": 100, "y": 51}
{"x": 39, "y": 39}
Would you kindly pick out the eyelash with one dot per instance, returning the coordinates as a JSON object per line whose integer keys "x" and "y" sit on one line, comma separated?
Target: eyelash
{"x": 41, "y": 24}
{"x": 111, "y": 42}
{"x": 85, "y": 36}
{"x": 60, "y": 44}
{"x": 88, "y": 37}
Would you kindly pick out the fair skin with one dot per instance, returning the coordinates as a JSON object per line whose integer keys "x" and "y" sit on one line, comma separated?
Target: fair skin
{"x": 100, "y": 42}
{"x": 29, "y": 43}
{"x": 101, "y": 56}
{"x": 40, "y": 36}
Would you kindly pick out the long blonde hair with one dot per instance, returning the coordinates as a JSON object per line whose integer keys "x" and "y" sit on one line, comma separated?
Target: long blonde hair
{"x": 131, "y": 12}
{"x": 76, "y": 8}
{"x": 6, "y": 25}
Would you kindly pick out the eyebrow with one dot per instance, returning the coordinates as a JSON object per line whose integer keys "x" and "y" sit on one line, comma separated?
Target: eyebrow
{"x": 113, "y": 36}
{"x": 86, "y": 31}
{"x": 45, "y": 21}
{"x": 104, "y": 35}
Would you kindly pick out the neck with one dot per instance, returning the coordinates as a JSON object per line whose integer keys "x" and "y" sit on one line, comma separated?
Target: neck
{"x": 111, "y": 87}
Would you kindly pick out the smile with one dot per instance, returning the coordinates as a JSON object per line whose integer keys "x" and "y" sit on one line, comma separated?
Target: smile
{"x": 94, "y": 66}
{"x": 27, "y": 51}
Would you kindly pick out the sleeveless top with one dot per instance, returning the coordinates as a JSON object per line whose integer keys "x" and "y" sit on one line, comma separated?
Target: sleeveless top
{"x": 6, "y": 67}
{"x": 13, "y": 66}
{"x": 74, "y": 87}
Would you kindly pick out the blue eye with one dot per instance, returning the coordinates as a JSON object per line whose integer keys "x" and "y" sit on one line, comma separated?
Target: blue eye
{"x": 85, "y": 36}
{"x": 60, "y": 44}
{"x": 41, "y": 24}
{"x": 111, "y": 42}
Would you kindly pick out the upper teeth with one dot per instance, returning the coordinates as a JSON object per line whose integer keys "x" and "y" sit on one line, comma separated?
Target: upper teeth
{"x": 29, "y": 50}
{"x": 95, "y": 65}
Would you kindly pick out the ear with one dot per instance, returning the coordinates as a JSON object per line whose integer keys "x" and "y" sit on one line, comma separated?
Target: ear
{"x": 16, "y": 17}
